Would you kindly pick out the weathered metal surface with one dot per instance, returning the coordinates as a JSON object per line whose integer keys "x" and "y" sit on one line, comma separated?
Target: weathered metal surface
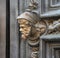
{"x": 30, "y": 47}
{"x": 51, "y": 37}
{"x": 49, "y": 8}
{"x": 46, "y": 32}
{"x": 14, "y": 39}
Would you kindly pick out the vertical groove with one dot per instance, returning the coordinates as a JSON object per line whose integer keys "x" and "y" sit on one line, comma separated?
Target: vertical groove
{"x": 18, "y": 7}
{"x": 7, "y": 28}
{"x": 18, "y": 30}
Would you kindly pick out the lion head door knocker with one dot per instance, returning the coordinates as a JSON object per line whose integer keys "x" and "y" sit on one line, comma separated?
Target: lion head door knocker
{"x": 32, "y": 28}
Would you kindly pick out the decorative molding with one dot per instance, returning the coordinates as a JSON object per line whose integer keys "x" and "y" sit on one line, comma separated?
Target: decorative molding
{"x": 54, "y": 3}
{"x": 32, "y": 28}
{"x": 48, "y": 9}
{"x": 29, "y": 29}
{"x": 54, "y": 27}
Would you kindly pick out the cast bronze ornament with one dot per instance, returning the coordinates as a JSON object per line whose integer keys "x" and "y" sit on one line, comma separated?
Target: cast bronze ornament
{"x": 31, "y": 28}
{"x": 30, "y": 25}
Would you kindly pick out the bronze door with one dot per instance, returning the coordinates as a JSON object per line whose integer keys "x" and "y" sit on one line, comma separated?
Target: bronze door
{"x": 49, "y": 12}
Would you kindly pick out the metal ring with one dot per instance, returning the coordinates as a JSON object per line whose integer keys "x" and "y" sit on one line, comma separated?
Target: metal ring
{"x": 33, "y": 44}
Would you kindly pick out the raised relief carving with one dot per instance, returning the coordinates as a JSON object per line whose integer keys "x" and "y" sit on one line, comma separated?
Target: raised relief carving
{"x": 24, "y": 28}
{"x": 35, "y": 52}
{"x": 34, "y": 55}
{"x": 32, "y": 28}
{"x": 54, "y": 27}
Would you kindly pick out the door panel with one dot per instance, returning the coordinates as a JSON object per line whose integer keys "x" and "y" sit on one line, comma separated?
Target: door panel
{"x": 49, "y": 8}
{"x": 51, "y": 49}
{"x": 57, "y": 53}
{"x": 20, "y": 48}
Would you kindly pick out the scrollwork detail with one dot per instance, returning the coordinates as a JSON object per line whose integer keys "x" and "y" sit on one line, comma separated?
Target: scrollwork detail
{"x": 54, "y": 27}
